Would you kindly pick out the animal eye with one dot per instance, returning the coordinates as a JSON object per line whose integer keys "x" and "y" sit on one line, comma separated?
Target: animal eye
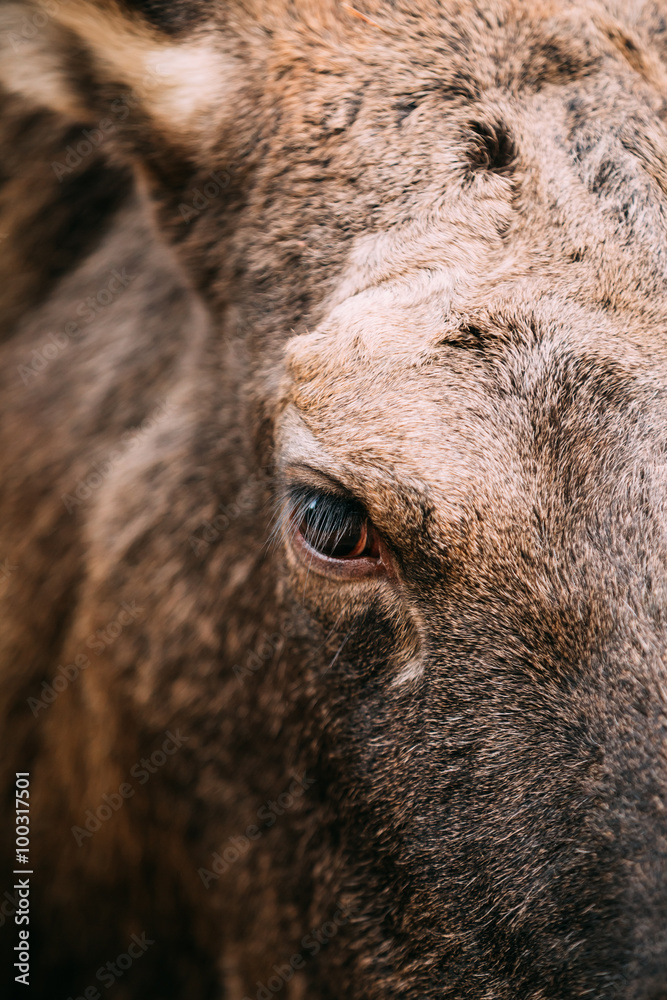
{"x": 334, "y": 535}
{"x": 336, "y": 528}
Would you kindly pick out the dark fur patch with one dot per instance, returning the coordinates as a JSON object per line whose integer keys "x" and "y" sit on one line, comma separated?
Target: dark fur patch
{"x": 491, "y": 147}
{"x": 80, "y": 195}
{"x": 172, "y": 17}
{"x": 560, "y": 58}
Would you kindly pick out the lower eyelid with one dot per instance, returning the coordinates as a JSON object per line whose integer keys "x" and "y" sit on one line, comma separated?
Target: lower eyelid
{"x": 343, "y": 569}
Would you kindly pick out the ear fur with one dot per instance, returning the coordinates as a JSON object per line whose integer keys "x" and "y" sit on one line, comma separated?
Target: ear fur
{"x": 53, "y": 47}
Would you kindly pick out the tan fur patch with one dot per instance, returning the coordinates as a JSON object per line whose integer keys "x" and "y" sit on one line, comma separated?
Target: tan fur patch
{"x": 31, "y": 67}
{"x": 176, "y": 82}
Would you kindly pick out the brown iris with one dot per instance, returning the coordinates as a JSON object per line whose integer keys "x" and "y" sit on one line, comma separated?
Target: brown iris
{"x": 334, "y": 527}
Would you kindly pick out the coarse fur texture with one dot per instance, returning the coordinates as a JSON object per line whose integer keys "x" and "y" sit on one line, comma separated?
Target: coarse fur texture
{"x": 415, "y": 254}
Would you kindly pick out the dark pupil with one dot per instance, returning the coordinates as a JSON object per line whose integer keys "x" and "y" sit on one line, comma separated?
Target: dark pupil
{"x": 332, "y": 527}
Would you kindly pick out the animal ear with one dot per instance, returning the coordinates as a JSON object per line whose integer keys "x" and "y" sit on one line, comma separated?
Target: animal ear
{"x": 164, "y": 61}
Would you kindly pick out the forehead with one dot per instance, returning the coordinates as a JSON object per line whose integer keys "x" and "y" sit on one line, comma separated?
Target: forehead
{"x": 530, "y": 183}
{"x": 398, "y": 377}
{"x": 513, "y": 139}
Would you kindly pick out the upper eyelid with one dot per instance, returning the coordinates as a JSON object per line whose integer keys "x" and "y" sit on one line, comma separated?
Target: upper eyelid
{"x": 305, "y": 479}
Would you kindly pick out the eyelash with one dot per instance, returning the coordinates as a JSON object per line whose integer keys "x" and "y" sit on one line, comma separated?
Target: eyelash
{"x": 330, "y": 533}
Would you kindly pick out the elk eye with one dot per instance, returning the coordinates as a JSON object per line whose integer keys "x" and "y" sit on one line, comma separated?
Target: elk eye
{"x": 334, "y": 528}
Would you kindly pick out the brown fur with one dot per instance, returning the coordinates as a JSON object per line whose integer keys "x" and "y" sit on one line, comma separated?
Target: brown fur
{"x": 433, "y": 271}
